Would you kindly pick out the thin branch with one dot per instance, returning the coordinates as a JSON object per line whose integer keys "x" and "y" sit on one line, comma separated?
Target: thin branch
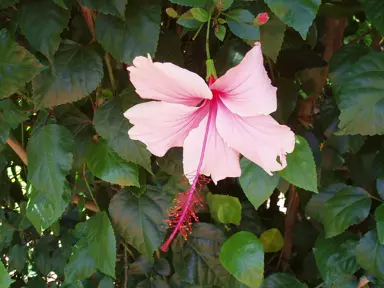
{"x": 358, "y": 38}
{"x": 107, "y": 60}
{"x": 89, "y": 188}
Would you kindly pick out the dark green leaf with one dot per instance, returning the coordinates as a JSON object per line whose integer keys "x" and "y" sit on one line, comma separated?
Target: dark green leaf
{"x": 113, "y": 126}
{"x": 346, "y": 143}
{"x": 224, "y": 209}
{"x": 348, "y": 206}
{"x": 379, "y": 215}
{"x": 342, "y": 61}
{"x": 345, "y": 281}
{"x": 361, "y": 97}
{"x": 17, "y": 65}
{"x": 140, "y": 221}
{"x": 336, "y": 256}
{"x": 240, "y": 23}
{"x": 287, "y": 92}
{"x": 114, "y": 7}
{"x": 12, "y": 115}
{"x": 373, "y": 9}
{"x": 187, "y": 20}
{"x": 220, "y": 32}
{"x": 163, "y": 267}
{"x": 282, "y": 280}
{"x": 7, "y": 3}
{"x": 272, "y": 240}
{"x": 106, "y": 282}
{"x": 301, "y": 162}
{"x": 5, "y": 280}
{"x": 65, "y": 4}
{"x": 169, "y": 49}
{"x": 171, "y": 162}
{"x": 46, "y": 206}
{"x": 75, "y": 73}
{"x": 191, "y": 2}
{"x": 272, "y": 37}
{"x": 81, "y": 265}
{"x": 49, "y": 159}
{"x": 370, "y": 254}
{"x": 315, "y": 206}
{"x": 18, "y": 257}
{"x": 43, "y": 33}
{"x": 155, "y": 283}
{"x": 6, "y": 234}
{"x": 380, "y": 184}
{"x": 243, "y": 256}
{"x": 196, "y": 260}
{"x": 136, "y": 36}
{"x": 257, "y": 185}
{"x": 141, "y": 266}
{"x": 107, "y": 165}
{"x": 298, "y": 14}
{"x": 102, "y": 243}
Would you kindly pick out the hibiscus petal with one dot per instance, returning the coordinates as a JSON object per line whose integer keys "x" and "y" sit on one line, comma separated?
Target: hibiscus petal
{"x": 162, "y": 125}
{"x": 260, "y": 138}
{"x": 220, "y": 161}
{"x": 167, "y": 82}
{"x": 246, "y": 89}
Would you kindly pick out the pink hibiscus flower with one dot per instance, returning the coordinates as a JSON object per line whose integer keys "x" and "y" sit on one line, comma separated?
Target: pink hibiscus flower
{"x": 214, "y": 124}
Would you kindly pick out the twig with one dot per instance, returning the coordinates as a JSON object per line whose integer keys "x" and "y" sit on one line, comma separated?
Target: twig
{"x": 125, "y": 268}
{"x": 358, "y": 38}
{"x": 289, "y": 224}
{"x": 107, "y": 59}
{"x": 89, "y": 188}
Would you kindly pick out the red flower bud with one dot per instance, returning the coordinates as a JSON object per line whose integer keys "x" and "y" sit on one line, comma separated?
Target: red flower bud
{"x": 261, "y": 19}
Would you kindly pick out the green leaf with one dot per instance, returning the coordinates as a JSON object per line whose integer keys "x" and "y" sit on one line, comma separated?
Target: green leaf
{"x": 5, "y": 280}
{"x": 43, "y": 33}
{"x": 315, "y": 206}
{"x": 370, "y": 254}
{"x": 191, "y": 2}
{"x": 196, "y": 259}
{"x": 46, "y": 206}
{"x": 17, "y": 65}
{"x": 379, "y": 215}
{"x": 141, "y": 266}
{"x": 224, "y": 209}
{"x": 200, "y": 14}
{"x": 272, "y": 37}
{"x": 81, "y": 264}
{"x": 342, "y": 61}
{"x": 102, "y": 243}
{"x": 10, "y": 118}
{"x": 336, "y": 256}
{"x": 113, "y": 126}
{"x": 6, "y": 234}
{"x": 257, "y": 185}
{"x": 223, "y": 4}
{"x": 287, "y": 92}
{"x": 106, "y": 282}
{"x": 140, "y": 221}
{"x": 75, "y": 73}
{"x": 272, "y": 240}
{"x": 348, "y": 206}
{"x": 7, "y": 3}
{"x": 298, "y": 14}
{"x": 153, "y": 283}
{"x": 65, "y": 4}
{"x": 50, "y": 156}
{"x": 187, "y": 20}
{"x": 18, "y": 257}
{"x": 240, "y": 23}
{"x": 301, "y": 162}
{"x": 243, "y": 256}
{"x": 373, "y": 10}
{"x": 136, "y": 36}
{"x": 380, "y": 184}
{"x": 107, "y": 165}
{"x": 361, "y": 97}
{"x": 115, "y": 7}
{"x": 220, "y": 32}
{"x": 282, "y": 280}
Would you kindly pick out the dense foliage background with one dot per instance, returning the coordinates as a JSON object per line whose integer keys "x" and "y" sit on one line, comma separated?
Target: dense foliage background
{"x": 82, "y": 205}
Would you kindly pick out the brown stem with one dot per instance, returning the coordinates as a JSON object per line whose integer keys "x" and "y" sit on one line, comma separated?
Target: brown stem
{"x": 289, "y": 224}
{"x": 16, "y": 146}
